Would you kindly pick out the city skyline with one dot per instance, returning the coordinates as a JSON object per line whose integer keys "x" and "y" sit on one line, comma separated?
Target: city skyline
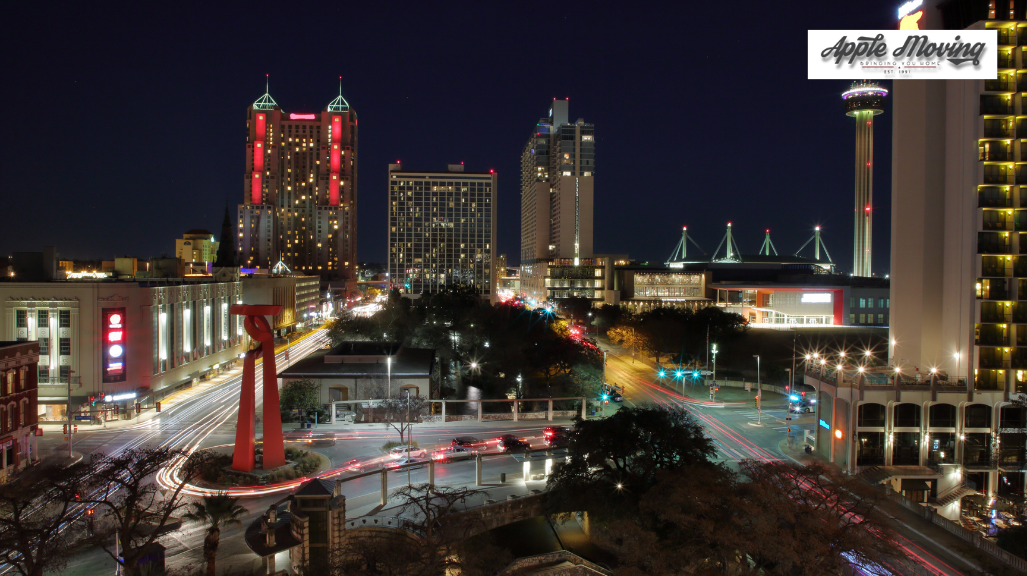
{"x": 694, "y": 134}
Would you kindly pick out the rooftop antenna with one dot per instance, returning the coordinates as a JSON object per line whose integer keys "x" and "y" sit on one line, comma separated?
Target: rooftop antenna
{"x": 339, "y": 104}
{"x": 818, "y": 243}
{"x": 680, "y": 252}
{"x": 266, "y": 102}
{"x": 768, "y": 245}
{"x": 731, "y": 251}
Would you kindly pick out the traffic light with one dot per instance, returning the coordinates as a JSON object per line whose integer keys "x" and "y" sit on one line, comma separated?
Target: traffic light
{"x": 115, "y": 409}
{"x": 65, "y": 429}
{"x": 662, "y": 373}
{"x": 92, "y": 400}
{"x": 139, "y": 407}
{"x": 757, "y": 401}
{"x": 158, "y": 406}
{"x": 76, "y": 428}
{"x": 695, "y": 375}
{"x": 803, "y": 393}
{"x": 90, "y": 512}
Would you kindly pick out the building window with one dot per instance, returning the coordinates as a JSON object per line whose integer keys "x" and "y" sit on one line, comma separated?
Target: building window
{"x": 42, "y": 318}
{"x": 852, "y": 302}
{"x": 44, "y": 374}
{"x": 887, "y": 302}
{"x": 862, "y": 318}
{"x": 862, "y": 302}
{"x": 65, "y": 347}
{"x": 880, "y": 302}
{"x": 44, "y": 346}
{"x": 64, "y": 318}
{"x": 65, "y": 373}
{"x": 20, "y": 318}
{"x": 880, "y": 318}
{"x": 852, "y": 318}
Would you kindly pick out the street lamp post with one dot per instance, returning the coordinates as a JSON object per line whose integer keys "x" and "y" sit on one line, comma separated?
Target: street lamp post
{"x": 388, "y": 364}
{"x": 714, "y": 393}
{"x": 759, "y": 392}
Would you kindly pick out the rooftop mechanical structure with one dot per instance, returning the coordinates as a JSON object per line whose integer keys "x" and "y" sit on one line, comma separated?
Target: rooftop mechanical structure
{"x": 862, "y": 102}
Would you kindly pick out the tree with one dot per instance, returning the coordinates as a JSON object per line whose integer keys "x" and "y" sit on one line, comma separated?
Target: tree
{"x": 38, "y": 508}
{"x": 588, "y": 378}
{"x": 771, "y": 520}
{"x": 623, "y": 454}
{"x": 398, "y": 412}
{"x": 303, "y": 395}
{"x": 214, "y": 512}
{"x": 432, "y": 553}
{"x": 132, "y": 510}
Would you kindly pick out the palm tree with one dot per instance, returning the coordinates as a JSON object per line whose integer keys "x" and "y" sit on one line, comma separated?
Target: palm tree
{"x": 214, "y": 512}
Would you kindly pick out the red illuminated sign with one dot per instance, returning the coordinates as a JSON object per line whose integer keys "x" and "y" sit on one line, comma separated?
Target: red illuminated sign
{"x": 113, "y": 345}
{"x": 333, "y": 190}
{"x": 302, "y": 116}
{"x": 336, "y": 128}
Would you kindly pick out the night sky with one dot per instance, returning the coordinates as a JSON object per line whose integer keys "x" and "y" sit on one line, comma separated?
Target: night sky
{"x": 125, "y": 125}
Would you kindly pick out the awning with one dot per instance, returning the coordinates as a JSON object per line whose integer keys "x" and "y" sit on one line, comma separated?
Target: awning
{"x": 915, "y": 485}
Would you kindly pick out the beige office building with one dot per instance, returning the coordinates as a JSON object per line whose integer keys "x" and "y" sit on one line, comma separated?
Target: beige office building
{"x": 958, "y": 326}
{"x": 557, "y": 173}
{"x": 442, "y": 230}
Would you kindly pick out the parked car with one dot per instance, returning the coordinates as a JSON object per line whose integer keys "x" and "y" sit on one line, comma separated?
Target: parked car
{"x": 616, "y": 397}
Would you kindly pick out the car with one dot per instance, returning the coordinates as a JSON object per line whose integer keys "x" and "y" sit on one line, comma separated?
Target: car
{"x": 453, "y": 454}
{"x": 465, "y": 442}
{"x": 403, "y": 461}
{"x": 802, "y": 407}
{"x": 617, "y": 398}
{"x": 513, "y": 444}
{"x": 556, "y": 436}
{"x": 407, "y": 451}
{"x": 553, "y": 430}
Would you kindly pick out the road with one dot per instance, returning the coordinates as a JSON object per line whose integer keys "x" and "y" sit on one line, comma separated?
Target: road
{"x": 730, "y": 423}
{"x": 208, "y": 420}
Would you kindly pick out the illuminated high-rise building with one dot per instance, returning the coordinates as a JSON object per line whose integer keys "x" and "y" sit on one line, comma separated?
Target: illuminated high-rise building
{"x": 300, "y": 189}
{"x": 557, "y": 171}
{"x": 442, "y": 230}
{"x": 862, "y": 102}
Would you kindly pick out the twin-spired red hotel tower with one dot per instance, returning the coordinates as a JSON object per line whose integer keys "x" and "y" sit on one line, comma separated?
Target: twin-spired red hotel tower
{"x": 300, "y": 186}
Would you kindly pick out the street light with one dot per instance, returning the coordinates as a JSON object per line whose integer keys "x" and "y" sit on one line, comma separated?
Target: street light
{"x": 759, "y": 392}
{"x": 714, "y": 363}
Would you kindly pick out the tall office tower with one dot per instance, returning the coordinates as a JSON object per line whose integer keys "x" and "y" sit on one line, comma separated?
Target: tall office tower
{"x": 300, "y": 189}
{"x": 442, "y": 229}
{"x": 557, "y": 171}
{"x": 862, "y": 102}
{"x": 958, "y": 332}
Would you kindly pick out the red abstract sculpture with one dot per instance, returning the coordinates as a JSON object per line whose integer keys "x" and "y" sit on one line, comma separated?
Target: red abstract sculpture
{"x": 274, "y": 446}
